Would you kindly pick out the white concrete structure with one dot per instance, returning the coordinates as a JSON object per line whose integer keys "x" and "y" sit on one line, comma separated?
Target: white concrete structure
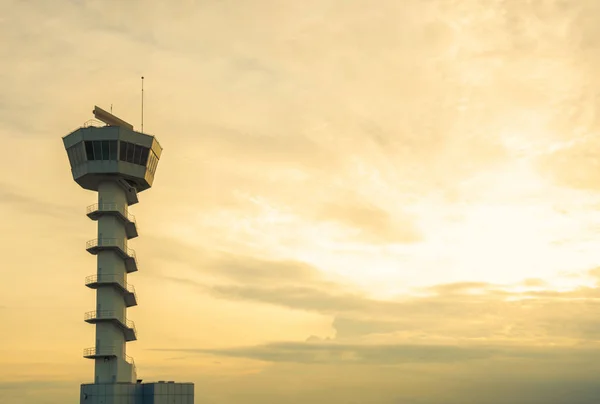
{"x": 117, "y": 162}
{"x": 130, "y": 393}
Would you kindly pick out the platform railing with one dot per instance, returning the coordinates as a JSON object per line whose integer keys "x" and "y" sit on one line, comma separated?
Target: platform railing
{"x": 111, "y": 207}
{"x": 111, "y": 278}
{"x": 131, "y": 324}
{"x": 94, "y": 122}
{"x": 111, "y": 242}
{"x": 90, "y": 122}
{"x": 106, "y": 351}
{"x": 94, "y": 314}
{"x": 131, "y": 253}
{"x": 109, "y": 314}
{"x": 130, "y": 360}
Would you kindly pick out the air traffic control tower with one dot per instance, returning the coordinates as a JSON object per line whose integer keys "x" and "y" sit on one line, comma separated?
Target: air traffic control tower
{"x": 117, "y": 162}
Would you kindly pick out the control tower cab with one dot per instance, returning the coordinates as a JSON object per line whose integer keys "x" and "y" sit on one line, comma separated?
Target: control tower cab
{"x": 113, "y": 152}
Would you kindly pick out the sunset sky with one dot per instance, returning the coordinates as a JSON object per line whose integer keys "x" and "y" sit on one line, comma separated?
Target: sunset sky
{"x": 358, "y": 202}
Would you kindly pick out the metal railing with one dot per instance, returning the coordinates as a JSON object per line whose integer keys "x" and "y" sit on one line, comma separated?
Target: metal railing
{"x": 94, "y": 122}
{"x": 111, "y": 242}
{"x": 108, "y": 351}
{"x": 109, "y": 315}
{"x": 103, "y": 351}
{"x": 111, "y": 278}
{"x": 90, "y": 122}
{"x": 111, "y": 207}
{"x": 131, "y": 324}
{"x": 130, "y": 360}
{"x": 94, "y": 314}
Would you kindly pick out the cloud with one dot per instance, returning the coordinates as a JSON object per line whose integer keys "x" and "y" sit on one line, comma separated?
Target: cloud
{"x": 261, "y": 150}
{"x": 534, "y": 282}
{"x": 36, "y": 384}
{"x": 373, "y": 224}
{"x": 468, "y": 310}
{"x": 12, "y": 196}
{"x": 237, "y": 268}
{"x": 574, "y": 166}
{"x": 251, "y": 270}
{"x": 300, "y": 297}
{"x": 391, "y": 354}
{"x": 459, "y": 287}
{"x": 333, "y": 353}
{"x": 347, "y": 327}
{"x": 39, "y": 390}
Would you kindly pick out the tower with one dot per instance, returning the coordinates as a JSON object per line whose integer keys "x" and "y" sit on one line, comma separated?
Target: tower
{"x": 117, "y": 162}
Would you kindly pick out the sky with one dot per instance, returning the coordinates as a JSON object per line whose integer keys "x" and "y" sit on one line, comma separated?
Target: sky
{"x": 386, "y": 202}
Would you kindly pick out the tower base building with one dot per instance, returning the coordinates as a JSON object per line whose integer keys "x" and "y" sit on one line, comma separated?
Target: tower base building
{"x": 117, "y": 162}
{"x": 138, "y": 393}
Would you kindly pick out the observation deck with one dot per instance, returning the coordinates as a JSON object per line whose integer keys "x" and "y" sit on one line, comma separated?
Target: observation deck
{"x": 126, "y": 290}
{"x": 110, "y": 316}
{"x": 117, "y": 245}
{"x": 106, "y": 352}
{"x": 99, "y": 209}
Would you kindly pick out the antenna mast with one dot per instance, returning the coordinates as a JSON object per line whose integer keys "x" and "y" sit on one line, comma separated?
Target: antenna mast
{"x": 142, "y": 104}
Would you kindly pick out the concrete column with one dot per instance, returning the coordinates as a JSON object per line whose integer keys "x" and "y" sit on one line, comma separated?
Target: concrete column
{"x": 110, "y": 230}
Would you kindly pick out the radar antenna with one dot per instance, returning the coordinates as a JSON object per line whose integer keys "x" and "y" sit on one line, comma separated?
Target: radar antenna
{"x": 142, "y": 104}
{"x": 110, "y": 119}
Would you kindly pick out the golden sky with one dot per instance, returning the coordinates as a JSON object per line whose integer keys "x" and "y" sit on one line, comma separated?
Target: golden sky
{"x": 386, "y": 202}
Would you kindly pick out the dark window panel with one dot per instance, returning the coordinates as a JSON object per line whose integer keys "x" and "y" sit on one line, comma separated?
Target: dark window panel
{"x": 105, "y": 152}
{"x": 138, "y": 154}
{"x": 144, "y": 156}
{"x": 97, "y": 150}
{"x": 130, "y": 151}
{"x": 123, "y": 152}
{"x": 89, "y": 150}
{"x": 112, "y": 149}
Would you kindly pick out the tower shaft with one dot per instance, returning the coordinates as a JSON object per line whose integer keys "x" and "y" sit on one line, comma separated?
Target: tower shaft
{"x": 110, "y": 301}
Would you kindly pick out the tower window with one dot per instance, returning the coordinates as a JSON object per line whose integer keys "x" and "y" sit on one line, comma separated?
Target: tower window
{"x": 144, "y": 156}
{"x": 137, "y": 154}
{"x": 123, "y": 152}
{"x": 133, "y": 153}
{"x": 112, "y": 149}
{"x": 101, "y": 150}
{"x": 130, "y": 151}
{"x": 89, "y": 150}
{"x": 97, "y": 150}
{"x": 105, "y": 150}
